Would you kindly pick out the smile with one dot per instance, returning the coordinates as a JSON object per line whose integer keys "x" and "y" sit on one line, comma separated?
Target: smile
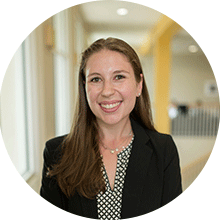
{"x": 110, "y": 106}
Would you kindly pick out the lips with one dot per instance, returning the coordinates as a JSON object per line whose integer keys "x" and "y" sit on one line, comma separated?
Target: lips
{"x": 110, "y": 106}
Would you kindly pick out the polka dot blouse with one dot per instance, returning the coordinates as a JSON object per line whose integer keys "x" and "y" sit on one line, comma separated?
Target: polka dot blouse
{"x": 109, "y": 203}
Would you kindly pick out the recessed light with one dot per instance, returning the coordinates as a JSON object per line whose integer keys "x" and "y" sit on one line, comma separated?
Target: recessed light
{"x": 122, "y": 11}
{"x": 193, "y": 48}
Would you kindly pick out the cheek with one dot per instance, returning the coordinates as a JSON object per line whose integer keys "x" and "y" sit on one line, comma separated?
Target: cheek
{"x": 91, "y": 94}
{"x": 130, "y": 92}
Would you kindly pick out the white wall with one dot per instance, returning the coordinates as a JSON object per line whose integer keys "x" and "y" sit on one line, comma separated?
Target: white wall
{"x": 13, "y": 112}
{"x": 188, "y": 78}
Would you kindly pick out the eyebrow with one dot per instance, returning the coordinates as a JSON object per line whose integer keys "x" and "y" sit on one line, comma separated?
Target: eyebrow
{"x": 91, "y": 74}
{"x": 115, "y": 72}
{"x": 120, "y": 71}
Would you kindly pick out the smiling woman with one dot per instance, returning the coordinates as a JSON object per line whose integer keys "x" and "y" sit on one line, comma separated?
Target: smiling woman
{"x": 113, "y": 164}
{"x": 113, "y": 96}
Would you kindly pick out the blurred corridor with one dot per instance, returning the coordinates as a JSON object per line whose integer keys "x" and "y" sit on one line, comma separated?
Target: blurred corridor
{"x": 42, "y": 78}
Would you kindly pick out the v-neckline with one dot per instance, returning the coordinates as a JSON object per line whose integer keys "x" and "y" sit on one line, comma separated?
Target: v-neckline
{"x": 116, "y": 171}
{"x": 119, "y": 156}
{"x": 107, "y": 179}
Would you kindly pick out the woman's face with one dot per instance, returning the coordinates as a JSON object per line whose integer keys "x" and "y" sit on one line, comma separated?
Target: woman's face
{"x": 111, "y": 88}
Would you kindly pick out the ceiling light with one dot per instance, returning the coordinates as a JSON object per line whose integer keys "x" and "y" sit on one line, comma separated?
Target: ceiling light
{"x": 193, "y": 48}
{"x": 122, "y": 11}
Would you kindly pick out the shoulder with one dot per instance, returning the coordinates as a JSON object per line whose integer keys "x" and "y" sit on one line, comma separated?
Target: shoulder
{"x": 52, "y": 150}
{"x": 158, "y": 141}
{"x": 164, "y": 145}
{"x": 145, "y": 134}
{"x": 55, "y": 142}
{"x": 158, "y": 138}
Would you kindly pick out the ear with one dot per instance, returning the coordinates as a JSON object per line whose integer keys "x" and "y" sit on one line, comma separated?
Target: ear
{"x": 139, "y": 86}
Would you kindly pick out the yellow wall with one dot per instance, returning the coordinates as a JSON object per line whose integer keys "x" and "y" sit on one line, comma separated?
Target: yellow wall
{"x": 159, "y": 40}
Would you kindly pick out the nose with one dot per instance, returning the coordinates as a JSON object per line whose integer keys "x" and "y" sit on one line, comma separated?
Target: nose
{"x": 108, "y": 89}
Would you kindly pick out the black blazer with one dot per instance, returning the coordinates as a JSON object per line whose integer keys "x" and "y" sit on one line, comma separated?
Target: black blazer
{"x": 152, "y": 178}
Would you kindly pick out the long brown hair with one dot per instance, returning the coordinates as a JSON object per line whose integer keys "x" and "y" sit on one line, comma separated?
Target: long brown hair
{"x": 79, "y": 169}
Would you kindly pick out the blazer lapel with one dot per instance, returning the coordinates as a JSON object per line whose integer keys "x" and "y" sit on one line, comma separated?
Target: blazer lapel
{"x": 136, "y": 171}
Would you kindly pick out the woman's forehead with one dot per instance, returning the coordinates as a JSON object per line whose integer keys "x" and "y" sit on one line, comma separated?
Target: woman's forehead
{"x": 107, "y": 59}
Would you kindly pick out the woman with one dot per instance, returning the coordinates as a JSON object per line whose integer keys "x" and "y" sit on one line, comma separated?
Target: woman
{"x": 113, "y": 164}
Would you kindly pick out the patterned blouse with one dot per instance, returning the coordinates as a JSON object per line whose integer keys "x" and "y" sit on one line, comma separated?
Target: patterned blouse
{"x": 109, "y": 203}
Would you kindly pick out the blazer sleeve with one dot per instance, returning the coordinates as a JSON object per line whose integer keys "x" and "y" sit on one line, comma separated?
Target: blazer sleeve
{"x": 49, "y": 188}
{"x": 172, "y": 183}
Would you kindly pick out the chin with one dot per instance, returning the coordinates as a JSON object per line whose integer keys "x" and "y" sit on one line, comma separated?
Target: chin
{"x": 112, "y": 120}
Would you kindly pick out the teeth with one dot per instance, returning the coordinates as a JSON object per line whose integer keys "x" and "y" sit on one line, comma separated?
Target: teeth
{"x": 110, "y": 105}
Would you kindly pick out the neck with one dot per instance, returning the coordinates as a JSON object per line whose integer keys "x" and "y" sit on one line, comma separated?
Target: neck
{"x": 115, "y": 132}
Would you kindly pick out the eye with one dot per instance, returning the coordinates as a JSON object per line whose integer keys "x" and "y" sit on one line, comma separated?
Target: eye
{"x": 119, "y": 77}
{"x": 95, "y": 79}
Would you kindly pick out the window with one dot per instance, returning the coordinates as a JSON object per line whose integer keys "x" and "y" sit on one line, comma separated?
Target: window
{"x": 14, "y": 114}
{"x": 62, "y": 74}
